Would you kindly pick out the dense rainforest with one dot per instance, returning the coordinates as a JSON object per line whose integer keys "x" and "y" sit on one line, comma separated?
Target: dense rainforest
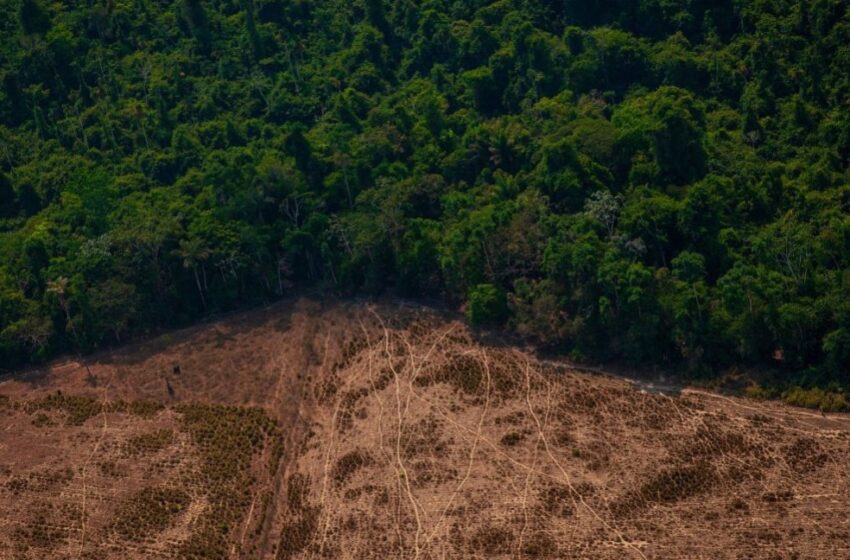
{"x": 648, "y": 181}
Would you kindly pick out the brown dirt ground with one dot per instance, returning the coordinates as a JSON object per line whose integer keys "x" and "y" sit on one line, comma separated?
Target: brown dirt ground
{"x": 349, "y": 430}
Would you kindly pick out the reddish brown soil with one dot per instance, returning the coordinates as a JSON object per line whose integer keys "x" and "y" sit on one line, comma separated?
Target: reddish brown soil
{"x": 355, "y": 431}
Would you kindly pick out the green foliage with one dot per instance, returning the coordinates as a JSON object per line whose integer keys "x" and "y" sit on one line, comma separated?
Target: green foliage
{"x": 487, "y": 305}
{"x": 33, "y": 17}
{"x": 649, "y": 180}
{"x": 826, "y": 401}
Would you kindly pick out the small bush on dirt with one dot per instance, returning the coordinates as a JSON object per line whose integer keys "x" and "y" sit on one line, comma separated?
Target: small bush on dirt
{"x": 423, "y": 437}
{"x": 17, "y": 485}
{"x": 739, "y": 505}
{"x": 145, "y": 409}
{"x": 42, "y": 420}
{"x": 780, "y": 496}
{"x": 540, "y": 545}
{"x": 297, "y": 533}
{"x": 79, "y": 409}
{"x": 677, "y": 484}
{"x": 759, "y": 393}
{"x": 297, "y": 491}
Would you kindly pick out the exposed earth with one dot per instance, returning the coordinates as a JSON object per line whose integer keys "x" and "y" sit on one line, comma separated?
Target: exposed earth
{"x": 355, "y": 430}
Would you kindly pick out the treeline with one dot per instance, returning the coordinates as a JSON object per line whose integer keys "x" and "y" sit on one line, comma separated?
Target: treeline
{"x": 645, "y": 180}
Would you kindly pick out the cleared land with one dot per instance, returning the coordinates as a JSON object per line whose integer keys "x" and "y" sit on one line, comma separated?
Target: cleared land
{"x": 357, "y": 431}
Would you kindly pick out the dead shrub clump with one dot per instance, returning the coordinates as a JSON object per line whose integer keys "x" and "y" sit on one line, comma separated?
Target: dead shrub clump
{"x": 349, "y": 464}
{"x": 228, "y": 438}
{"x": 77, "y": 409}
{"x": 540, "y": 545}
{"x": 40, "y": 532}
{"x": 667, "y": 486}
{"x": 424, "y": 437}
{"x": 110, "y": 469}
{"x": 302, "y": 519}
{"x": 491, "y": 541}
{"x": 464, "y": 373}
{"x": 805, "y": 456}
{"x": 512, "y": 439}
{"x": 148, "y": 443}
{"x": 557, "y": 501}
{"x": 150, "y": 511}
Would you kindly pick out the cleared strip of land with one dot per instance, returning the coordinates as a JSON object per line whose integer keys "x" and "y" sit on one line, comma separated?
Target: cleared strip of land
{"x": 350, "y": 430}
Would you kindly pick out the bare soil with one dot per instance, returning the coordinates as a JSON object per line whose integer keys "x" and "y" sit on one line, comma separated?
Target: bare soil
{"x": 350, "y": 430}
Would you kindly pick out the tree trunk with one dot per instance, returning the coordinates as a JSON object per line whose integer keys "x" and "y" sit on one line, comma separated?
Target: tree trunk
{"x": 200, "y": 290}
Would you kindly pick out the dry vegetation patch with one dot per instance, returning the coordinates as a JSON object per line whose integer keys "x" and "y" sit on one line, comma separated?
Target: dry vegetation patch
{"x": 357, "y": 431}
{"x": 150, "y": 511}
{"x": 118, "y": 479}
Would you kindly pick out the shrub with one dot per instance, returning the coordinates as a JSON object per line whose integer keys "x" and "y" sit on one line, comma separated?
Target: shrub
{"x": 487, "y": 305}
{"x": 816, "y": 398}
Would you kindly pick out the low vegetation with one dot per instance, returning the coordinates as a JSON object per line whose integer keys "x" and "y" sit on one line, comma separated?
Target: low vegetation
{"x": 228, "y": 439}
{"x": 149, "y": 512}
